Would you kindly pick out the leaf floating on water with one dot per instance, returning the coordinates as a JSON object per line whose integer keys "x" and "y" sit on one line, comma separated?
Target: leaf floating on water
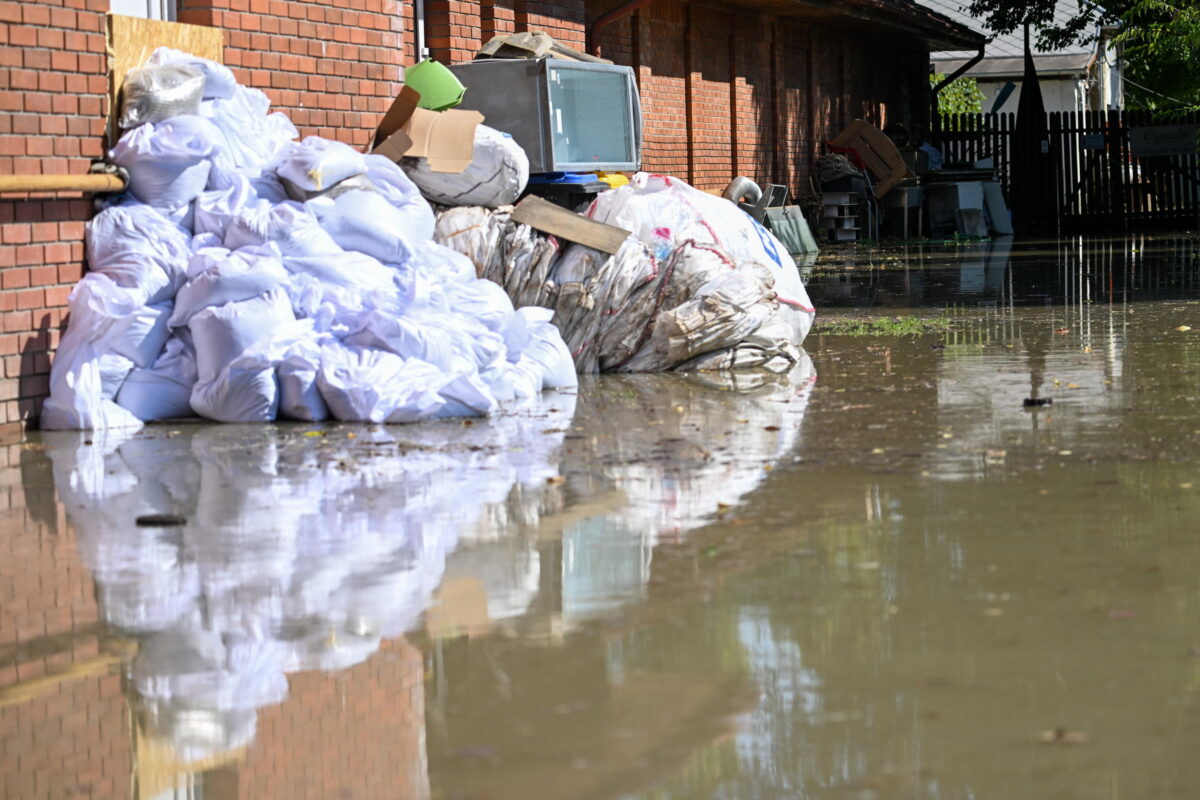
{"x": 1183, "y": 328}
{"x": 1073, "y": 386}
{"x": 877, "y": 451}
{"x": 1063, "y": 736}
{"x": 555, "y": 480}
{"x": 1063, "y": 330}
{"x": 723, "y": 507}
{"x": 314, "y": 434}
{"x": 771, "y": 428}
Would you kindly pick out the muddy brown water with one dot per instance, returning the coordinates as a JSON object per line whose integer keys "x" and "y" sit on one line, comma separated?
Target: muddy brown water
{"x": 880, "y": 576}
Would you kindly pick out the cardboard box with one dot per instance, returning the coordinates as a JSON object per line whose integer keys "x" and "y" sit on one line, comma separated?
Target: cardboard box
{"x": 446, "y": 139}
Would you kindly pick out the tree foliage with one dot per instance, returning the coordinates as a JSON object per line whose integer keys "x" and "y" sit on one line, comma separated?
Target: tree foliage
{"x": 961, "y": 96}
{"x": 1160, "y": 40}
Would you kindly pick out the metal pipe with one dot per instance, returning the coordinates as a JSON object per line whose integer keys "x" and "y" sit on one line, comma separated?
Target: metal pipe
{"x": 593, "y": 44}
{"x": 93, "y": 183}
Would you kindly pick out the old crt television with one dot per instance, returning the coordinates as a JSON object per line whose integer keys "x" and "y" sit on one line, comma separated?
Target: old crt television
{"x": 569, "y": 116}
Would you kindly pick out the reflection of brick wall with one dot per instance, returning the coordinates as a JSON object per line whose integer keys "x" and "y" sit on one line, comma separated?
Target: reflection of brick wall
{"x": 359, "y": 733}
{"x": 63, "y": 738}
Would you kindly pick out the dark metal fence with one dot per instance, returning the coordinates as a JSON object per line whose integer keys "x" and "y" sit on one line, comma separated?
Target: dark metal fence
{"x": 1113, "y": 170}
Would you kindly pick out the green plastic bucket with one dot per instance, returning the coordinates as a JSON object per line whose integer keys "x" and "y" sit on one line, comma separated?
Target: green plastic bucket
{"x": 438, "y": 87}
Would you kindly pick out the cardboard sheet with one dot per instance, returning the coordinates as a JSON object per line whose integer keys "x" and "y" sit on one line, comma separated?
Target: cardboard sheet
{"x": 446, "y": 139}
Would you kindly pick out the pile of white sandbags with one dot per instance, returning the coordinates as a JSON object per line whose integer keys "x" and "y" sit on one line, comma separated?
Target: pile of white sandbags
{"x": 246, "y": 276}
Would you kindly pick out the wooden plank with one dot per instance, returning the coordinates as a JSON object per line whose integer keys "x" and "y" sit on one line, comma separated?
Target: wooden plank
{"x": 558, "y": 221}
{"x": 131, "y": 40}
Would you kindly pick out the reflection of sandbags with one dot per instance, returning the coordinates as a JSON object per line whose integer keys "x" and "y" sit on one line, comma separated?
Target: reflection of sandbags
{"x": 155, "y": 93}
{"x": 496, "y": 176}
{"x": 168, "y": 163}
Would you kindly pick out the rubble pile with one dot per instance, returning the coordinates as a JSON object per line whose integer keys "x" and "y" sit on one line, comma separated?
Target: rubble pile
{"x": 246, "y": 276}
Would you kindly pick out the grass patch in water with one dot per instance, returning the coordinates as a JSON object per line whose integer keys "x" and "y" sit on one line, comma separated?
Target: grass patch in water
{"x": 880, "y": 326}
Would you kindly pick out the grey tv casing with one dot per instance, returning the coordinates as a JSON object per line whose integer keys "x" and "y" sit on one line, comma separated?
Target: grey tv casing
{"x": 514, "y": 97}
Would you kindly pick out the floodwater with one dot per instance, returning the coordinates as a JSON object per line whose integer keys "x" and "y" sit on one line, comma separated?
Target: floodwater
{"x": 880, "y": 576}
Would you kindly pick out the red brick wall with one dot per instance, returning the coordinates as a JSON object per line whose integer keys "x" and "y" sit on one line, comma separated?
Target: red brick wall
{"x": 52, "y": 109}
{"x": 727, "y": 92}
{"x": 332, "y": 66}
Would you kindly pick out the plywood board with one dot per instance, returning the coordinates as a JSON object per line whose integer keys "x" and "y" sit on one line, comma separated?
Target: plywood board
{"x": 558, "y": 221}
{"x": 877, "y": 151}
{"x": 131, "y": 40}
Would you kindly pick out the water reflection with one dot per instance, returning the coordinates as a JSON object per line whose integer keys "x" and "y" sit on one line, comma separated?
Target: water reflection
{"x": 297, "y": 550}
{"x": 1007, "y": 272}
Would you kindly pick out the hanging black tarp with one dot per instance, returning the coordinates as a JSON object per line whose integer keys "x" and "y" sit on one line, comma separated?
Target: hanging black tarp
{"x": 1032, "y": 178}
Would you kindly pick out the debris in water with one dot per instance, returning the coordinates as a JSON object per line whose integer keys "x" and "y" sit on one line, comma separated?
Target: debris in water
{"x": 1038, "y": 402}
{"x": 160, "y": 521}
{"x": 1062, "y": 331}
{"x": 1184, "y": 328}
{"x": 1063, "y": 736}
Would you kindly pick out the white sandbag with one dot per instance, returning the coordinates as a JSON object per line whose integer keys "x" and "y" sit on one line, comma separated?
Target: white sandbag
{"x": 366, "y": 222}
{"x": 218, "y": 78}
{"x": 114, "y": 369}
{"x": 227, "y": 194}
{"x": 496, "y": 176}
{"x": 143, "y": 339}
{"x": 390, "y": 181}
{"x": 163, "y": 390}
{"x": 361, "y": 385}
{"x": 218, "y": 276}
{"x": 545, "y": 348}
{"x": 223, "y": 333}
{"x": 168, "y": 162}
{"x": 483, "y": 301}
{"x": 155, "y": 93}
{"x": 238, "y": 395}
{"x": 315, "y": 164}
{"x": 299, "y": 396}
{"x": 138, "y": 249}
{"x": 100, "y": 310}
{"x": 664, "y": 212}
{"x": 287, "y": 225}
{"x": 253, "y": 137}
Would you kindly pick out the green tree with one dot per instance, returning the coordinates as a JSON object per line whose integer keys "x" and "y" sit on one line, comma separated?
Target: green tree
{"x": 1160, "y": 38}
{"x": 961, "y": 96}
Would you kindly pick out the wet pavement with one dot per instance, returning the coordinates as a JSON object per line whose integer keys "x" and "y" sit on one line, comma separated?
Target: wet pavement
{"x": 879, "y": 576}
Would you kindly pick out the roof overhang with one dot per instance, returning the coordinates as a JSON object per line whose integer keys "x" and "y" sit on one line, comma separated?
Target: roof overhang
{"x": 1069, "y": 64}
{"x": 919, "y": 25}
